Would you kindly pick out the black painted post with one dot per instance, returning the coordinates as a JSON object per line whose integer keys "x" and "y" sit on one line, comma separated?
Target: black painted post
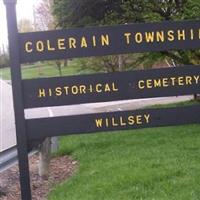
{"x": 15, "y": 65}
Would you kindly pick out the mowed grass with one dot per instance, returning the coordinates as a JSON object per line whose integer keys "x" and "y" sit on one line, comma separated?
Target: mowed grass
{"x": 41, "y": 70}
{"x": 174, "y": 105}
{"x": 145, "y": 164}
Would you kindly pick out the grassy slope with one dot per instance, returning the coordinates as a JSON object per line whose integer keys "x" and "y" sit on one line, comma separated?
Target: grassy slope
{"x": 173, "y": 105}
{"x": 43, "y": 70}
{"x": 158, "y": 163}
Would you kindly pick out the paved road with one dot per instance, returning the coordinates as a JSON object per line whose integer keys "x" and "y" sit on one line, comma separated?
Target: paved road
{"x": 101, "y": 107}
{"x": 137, "y": 103}
{"x": 7, "y": 127}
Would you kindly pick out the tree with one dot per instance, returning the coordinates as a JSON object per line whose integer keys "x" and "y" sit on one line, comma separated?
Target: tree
{"x": 44, "y": 20}
{"x": 106, "y": 63}
{"x": 84, "y": 12}
{"x": 4, "y": 60}
{"x": 79, "y": 13}
{"x": 162, "y": 10}
{"x": 25, "y": 25}
{"x": 89, "y": 13}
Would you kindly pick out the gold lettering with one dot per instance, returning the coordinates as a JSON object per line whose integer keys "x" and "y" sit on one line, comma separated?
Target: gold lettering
{"x": 199, "y": 33}
{"x": 28, "y": 47}
{"x": 66, "y": 90}
{"x": 49, "y": 47}
{"x": 61, "y": 44}
{"x": 113, "y": 122}
{"x": 42, "y": 93}
{"x": 98, "y": 123}
{"x": 147, "y": 117}
{"x": 50, "y": 92}
{"x": 173, "y": 80}
{"x": 122, "y": 123}
{"x": 149, "y": 36}
{"x": 114, "y": 88}
{"x": 90, "y": 88}
{"x": 149, "y": 83}
{"x": 82, "y": 89}
{"x": 170, "y": 35}
{"x": 138, "y": 37}
{"x": 180, "y": 80}
{"x": 39, "y": 46}
{"x": 107, "y": 124}
{"x": 188, "y": 80}
{"x": 157, "y": 83}
{"x": 58, "y": 91}
{"x": 139, "y": 119}
{"x": 165, "y": 82}
{"x": 196, "y": 79}
{"x": 99, "y": 88}
{"x": 192, "y": 34}
{"x": 105, "y": 40}
{"x": 84, "y": 42}
{"x": 107, "y": 88}
{"x": 127, "y": 36}
{"x": 141, "y": 84}
{"x": 94, "y": 41}
{"x": 181, "y": 34}
{"x": 74, "y": 89}
{"x": 160, "y": 36}
{"x": 131, "y": 120}
{"x": 72, "y": 43}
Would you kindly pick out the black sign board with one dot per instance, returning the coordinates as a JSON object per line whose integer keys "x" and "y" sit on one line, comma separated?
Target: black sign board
{"x": 122, "y": 120}
{"x": 98, "y": 41}
{"x": 108, "y": 40}
{"x": 111, "y": 87}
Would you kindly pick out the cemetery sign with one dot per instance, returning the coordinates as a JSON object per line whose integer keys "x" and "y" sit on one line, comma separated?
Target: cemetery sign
{"x": 98, "y": 41}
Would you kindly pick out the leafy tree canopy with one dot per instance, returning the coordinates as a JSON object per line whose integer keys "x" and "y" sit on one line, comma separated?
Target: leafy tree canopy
{"x": 79, "y": 13}
{"x": 90, "y": 12}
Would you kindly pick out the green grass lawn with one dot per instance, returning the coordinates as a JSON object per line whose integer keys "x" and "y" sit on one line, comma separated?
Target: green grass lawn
{"x": 39, "y": 70}
{"x": 145, "y": 164}
{"x": 150, "y": 164}
{"x": 173, "y": 105}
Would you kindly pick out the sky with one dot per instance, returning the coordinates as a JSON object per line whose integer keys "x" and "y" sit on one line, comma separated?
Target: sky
{"x": 24, "y": 10}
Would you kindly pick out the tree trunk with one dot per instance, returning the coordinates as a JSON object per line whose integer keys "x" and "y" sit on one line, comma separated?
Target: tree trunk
{"x": 60, "y": 70}
{"x": 44, "y": 158}
{"x": 58, "y": 64}
{"x": 65, "y": 63}
{"x": 120, "y": 61}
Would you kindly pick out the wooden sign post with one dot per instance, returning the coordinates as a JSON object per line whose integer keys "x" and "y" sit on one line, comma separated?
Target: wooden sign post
{"x": 98, "y": 41}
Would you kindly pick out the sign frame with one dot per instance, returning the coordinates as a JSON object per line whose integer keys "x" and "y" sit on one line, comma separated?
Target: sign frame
{"x": 15, "y": 65}
{"x": 24, "y": 127}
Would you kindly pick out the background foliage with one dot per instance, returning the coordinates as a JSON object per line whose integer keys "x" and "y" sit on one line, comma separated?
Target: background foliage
{"x": 80, "y": 13}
